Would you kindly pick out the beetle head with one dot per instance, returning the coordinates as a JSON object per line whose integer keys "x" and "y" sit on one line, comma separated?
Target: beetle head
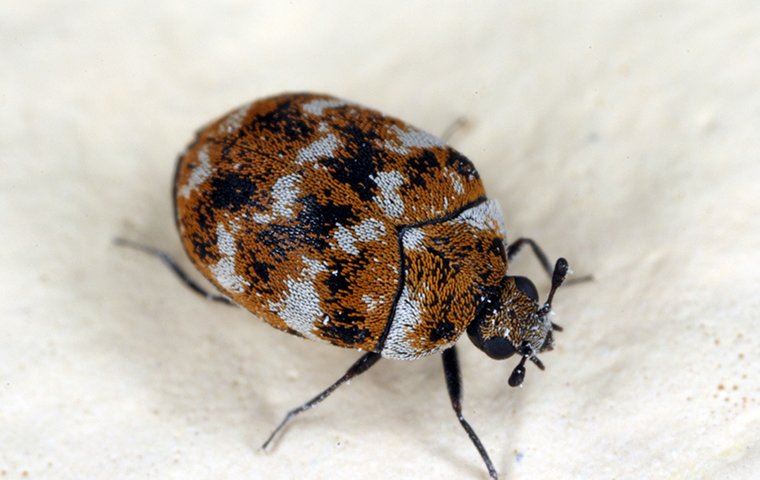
{"x": 510, "y": 320}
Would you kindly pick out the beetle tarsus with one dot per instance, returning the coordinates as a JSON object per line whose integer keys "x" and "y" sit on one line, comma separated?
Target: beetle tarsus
{"x": 359, "y": 367}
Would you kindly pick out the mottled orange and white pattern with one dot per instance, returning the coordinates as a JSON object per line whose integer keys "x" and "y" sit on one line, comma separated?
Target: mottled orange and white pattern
{"x": 337, "y": 223}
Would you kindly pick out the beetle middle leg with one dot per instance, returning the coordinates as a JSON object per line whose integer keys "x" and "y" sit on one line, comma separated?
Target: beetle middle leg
{"x": 361, "y": 366}
{"x": 169, "y": 262}
{"x": 454, "y": 386}
{"x": 514, "y": 248}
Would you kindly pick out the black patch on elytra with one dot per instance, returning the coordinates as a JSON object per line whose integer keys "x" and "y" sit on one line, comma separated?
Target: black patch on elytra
{"x": 232, "y": 190}
{"x": 312, "y": 226}
{"x": 319, "y": 220}
{"x": 348, "y": 316}
{"x": 203, "y": 220}
{"x": 201, "y": 247}
{"x": 337, "y": 280}
{"x": 343, "y": 326}
{"x": 281, "y": 239}
{"x": 442, "y": 331}
{"x": 262, "y": 270}
{"x": 363, "y": 159}
{"x": 462, "y": 165}
{"x": 420, "y": 166}
{"x": 285, "y": 121}
{"x": 348, "y": 334}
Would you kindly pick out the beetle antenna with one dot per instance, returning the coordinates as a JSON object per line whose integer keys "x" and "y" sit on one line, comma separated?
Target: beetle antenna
{"x": 560, "y": 272}
{"x": 537, "y": 362}
{"x": 518, "y": 374}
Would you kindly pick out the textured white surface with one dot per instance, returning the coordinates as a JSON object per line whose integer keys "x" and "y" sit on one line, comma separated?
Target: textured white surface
{"x": 623, "y": 135}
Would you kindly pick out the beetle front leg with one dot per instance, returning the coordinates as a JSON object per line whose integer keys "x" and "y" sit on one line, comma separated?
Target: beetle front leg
{"x": 514, "y": 248}
{"x": 454, "y": 386}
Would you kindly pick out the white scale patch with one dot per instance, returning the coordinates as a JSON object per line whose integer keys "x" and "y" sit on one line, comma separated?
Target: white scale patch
{"x": 456, "y": 182}
{"x": 346, "y": 240}
{"x": 486, "y": 216}
{"x": 406, "y": 318}
{"x": 389, "y": 199}
{"x": 234, "y": 121}
{"x": 284, "y": 193}
{"x": 370, "y": 229}
{"x": 371, "y": 302}
{"x": 322, "y": 148}
{"x": 317, "y": 107}
{"x": 300, "y": 309}
{"x": 367, "y": 231}
{"x": 224, "y": 269}
{"x": 200, "y": 173}
{"x": 412, "y": 238}
{"x": 411, "y": 138}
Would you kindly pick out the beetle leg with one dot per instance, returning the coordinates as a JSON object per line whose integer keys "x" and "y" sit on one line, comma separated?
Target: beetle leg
{"x": 454, "y": 386}
{"x": 169, "y": 262}
{"x": 361, "y": 366}
{"x": 514, "y": 248}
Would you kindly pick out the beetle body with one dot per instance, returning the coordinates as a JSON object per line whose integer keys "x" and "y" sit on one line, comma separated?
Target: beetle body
{"x": 339, "y": 224}
{"x": 334, "y": 222}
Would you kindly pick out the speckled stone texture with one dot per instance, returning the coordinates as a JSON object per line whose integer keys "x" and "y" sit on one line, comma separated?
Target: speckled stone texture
{"x": 622, "y": 135}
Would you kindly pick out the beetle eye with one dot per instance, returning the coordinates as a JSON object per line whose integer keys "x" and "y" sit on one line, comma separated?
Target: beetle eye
{"x": 527, "y": 287}
{"x": 498, "y": 348}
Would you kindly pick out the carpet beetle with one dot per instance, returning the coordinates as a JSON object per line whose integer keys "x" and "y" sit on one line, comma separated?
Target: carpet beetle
{"x": 336, "y": 223}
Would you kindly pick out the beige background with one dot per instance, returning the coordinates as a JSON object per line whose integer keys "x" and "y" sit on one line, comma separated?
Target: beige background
{"x": 623, "y": 135}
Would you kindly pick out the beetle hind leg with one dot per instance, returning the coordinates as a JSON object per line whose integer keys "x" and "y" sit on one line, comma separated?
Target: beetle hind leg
{"x": 169, "y": 262}
{"x": 361, "y": 366}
